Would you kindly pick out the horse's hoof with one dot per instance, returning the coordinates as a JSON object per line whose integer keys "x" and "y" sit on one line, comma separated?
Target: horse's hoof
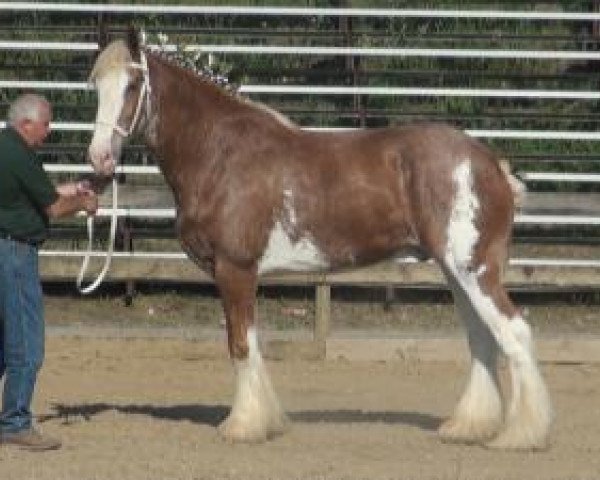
{"x": 234, "y": 430}
{"x": 236, "y": 434}
{"x": 454, "y": 431}
{"x": 518, "y": 439}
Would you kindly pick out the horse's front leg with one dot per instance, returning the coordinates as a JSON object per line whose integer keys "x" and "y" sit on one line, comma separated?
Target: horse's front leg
{"x": 256, "y": 414}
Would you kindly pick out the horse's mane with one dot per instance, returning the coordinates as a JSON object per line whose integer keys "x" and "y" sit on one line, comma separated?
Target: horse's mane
{"x": 221, "y": 83}
{"x": 203, "y": 72}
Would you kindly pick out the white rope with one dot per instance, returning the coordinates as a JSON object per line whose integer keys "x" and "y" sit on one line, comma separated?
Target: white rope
{"x": 110, "y": 248}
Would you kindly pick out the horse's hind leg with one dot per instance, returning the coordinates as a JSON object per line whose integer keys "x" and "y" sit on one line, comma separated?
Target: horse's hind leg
{"x": 256, "y": 414}
{"x": 478, "y": 415}
{"x": 529, "y": 413}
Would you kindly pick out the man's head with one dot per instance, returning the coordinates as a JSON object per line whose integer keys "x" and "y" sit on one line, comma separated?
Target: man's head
{"x": 30, "y": 115}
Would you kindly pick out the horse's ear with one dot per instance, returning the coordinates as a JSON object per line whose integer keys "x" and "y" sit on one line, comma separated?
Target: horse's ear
{"x": 102, "y": 36}
{"x": 133, "y": 41}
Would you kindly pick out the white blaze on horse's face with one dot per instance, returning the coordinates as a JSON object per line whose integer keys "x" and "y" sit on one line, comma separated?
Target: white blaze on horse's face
{"x": 106, "y": 144}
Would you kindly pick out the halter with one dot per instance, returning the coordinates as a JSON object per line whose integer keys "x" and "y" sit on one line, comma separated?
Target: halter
{"x": 144, "y": 92}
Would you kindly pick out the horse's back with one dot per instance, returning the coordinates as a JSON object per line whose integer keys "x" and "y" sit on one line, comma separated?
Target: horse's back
{"x": 431, "y": 147}
{"x": 388, "y": 188}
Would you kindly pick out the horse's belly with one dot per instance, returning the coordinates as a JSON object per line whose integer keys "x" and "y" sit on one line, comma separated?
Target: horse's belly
{"x": 286, "y": 255}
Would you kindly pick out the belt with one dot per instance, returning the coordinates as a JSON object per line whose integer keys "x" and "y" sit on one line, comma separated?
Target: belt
{"x": 8, "y": 236}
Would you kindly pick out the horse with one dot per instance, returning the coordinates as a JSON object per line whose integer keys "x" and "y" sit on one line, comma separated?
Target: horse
{"x": 255, "y": 193}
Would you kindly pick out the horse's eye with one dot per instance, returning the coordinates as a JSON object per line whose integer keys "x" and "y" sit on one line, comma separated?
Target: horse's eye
{"x": 130, "y": 88}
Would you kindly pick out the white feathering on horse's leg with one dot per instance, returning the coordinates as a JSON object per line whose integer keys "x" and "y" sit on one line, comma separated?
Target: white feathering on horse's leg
{"x": 256, "y": 414}
{"x": 530, "y": 412}
{"x": 478, "y": 415}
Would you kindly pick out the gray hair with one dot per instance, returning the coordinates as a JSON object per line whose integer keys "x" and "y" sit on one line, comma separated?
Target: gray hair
{"x": 26, "y": 107}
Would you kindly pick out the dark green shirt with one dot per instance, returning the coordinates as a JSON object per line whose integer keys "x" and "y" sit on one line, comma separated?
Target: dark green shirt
{"x": 25, "y": 189}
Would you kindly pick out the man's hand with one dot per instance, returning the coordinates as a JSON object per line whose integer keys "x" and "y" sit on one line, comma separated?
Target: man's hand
{"x": 67, "y": 189}
{"x": 84, "y": 187}
{"x": 75, "y": 200}
{"x": 75, "y": 188}
{"x": 90, "y": 201}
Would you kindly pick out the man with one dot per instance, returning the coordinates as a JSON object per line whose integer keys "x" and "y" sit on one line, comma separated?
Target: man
{"x": 27, "y": 201}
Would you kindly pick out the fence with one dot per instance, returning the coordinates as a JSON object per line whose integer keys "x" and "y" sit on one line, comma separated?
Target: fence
{"x": 574, "y": 211}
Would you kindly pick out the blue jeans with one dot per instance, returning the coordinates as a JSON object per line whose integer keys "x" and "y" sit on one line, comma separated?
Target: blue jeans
{"x": 21, "y": 332}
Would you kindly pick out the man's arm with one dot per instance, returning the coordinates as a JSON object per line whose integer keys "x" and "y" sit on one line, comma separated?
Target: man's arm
{"x": 72, "y": 198}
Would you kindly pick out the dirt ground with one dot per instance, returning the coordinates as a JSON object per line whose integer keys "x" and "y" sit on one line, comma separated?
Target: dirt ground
{"x": 147, "y": 409}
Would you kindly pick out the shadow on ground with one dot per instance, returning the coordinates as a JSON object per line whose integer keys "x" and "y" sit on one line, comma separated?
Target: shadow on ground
{"x": 215, "y": 414}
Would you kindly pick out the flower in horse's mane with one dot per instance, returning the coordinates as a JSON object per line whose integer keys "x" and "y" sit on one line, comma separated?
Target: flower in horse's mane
{"x": 201, "y": 63}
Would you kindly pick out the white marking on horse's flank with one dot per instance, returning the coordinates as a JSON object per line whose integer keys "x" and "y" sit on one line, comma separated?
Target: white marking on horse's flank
{"x": 283, "y": 254}
{"x": 288, "y": 207}
{"x": 462, "y": 235}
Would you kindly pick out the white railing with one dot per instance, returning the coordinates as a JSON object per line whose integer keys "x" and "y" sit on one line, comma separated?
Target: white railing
{"x": 298, "y": 11}
{"x": 329, "y": 51}
{"x": 479, "y": 133}
{"x": 350, "y": 90}
{"x": 152, "y": 169}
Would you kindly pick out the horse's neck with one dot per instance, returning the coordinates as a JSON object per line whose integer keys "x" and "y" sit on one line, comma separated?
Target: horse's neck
{"x": 183, "y": 111}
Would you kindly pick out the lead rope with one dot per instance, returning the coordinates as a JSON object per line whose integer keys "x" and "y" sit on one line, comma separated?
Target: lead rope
{"x": 110, "y": 248}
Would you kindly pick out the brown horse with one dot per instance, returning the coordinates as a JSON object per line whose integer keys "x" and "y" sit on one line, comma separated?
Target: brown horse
{"x": 255, "y": 193}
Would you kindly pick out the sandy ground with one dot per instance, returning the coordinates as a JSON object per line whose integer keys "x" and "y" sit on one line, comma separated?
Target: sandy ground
{"x": 147, "y": 409}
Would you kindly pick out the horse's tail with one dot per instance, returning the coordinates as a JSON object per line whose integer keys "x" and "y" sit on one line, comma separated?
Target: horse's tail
{"x": 517, "y": 187}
